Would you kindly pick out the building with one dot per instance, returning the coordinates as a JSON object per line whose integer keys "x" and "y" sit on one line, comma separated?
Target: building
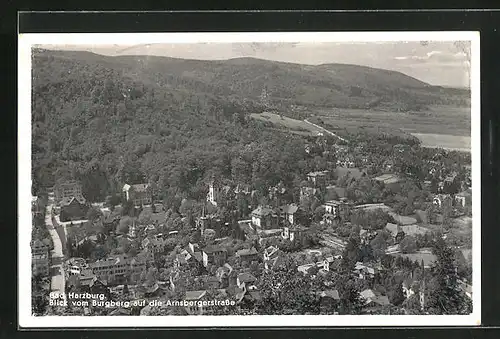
{"x": 119, "y": 269}
{"x": 153, "y": 245}
{"x": 363, "y": 271}
{"x": 289, "y": 213}
{"x": 318, "y": 179}
{"x": 245, "y": 280}
{"x": 264, "y": 217}
{"x": 75, "y": 266}
{"x": 74, "y": 208}
{"x": 68, "y": 189}
{"x": 329, "y": 301}
{"x": 214, "y": 255}
{"x": 190, "y": 256}
{"x": 139, "y": 194}
{"x": 213, "y": 194}
{"x": 194, "y": 307}
{"x": 373, "y": 301}
{"x": 464, "y": 198}
{"x": 272, "y": 257}
{"x": 442, "y": 200}
{"x": 390, "y": 180}
{"x": 293, "y": 233}
{"x": 223, "y": 273}
{"x": 337, "y": 208}
{"x": 247, "y": 255}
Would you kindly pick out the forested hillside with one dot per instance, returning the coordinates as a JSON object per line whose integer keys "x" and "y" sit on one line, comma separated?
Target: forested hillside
{"x": 177, "y": 123}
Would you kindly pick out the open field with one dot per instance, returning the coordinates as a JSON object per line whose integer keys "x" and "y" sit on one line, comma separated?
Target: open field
{"x": 447, "y": 120}
{"x": 293, "y": 125}
{"x": 451, "y": 142}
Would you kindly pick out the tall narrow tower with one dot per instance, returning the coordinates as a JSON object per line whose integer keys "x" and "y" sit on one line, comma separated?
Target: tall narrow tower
{"x": 422, "y": 288}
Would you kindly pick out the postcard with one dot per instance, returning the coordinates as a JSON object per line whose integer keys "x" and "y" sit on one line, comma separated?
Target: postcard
{"x": 312, "y": 179}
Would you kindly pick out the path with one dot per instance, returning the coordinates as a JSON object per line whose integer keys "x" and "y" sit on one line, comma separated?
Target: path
{"x": 58, "y": 280}
{"x": 325, "y": 130}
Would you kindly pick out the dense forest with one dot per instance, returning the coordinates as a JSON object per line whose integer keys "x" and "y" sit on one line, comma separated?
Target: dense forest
{"x": 179, "y": 123}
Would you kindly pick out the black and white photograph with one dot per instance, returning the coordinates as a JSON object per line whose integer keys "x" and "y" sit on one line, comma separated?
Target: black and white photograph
{"x": 249, "y": 179}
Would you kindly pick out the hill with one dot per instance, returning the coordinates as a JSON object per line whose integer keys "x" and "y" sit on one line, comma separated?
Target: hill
{"x": 178, "y": 123}
{"x": 328, "y": 85}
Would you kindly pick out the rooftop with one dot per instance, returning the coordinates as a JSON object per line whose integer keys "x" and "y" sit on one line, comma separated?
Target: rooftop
{"x": 388, "y": 178}
{"x": 262, "y": 211}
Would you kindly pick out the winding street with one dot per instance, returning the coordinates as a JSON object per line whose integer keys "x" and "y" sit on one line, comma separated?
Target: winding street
{"x": 325, "y": 130}
{"x": 58, "y": 282}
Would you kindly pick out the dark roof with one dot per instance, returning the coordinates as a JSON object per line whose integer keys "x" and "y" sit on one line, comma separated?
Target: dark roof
{"x": 246, "y": 277}
{"x": 262, "y": 211}
{"x": 212, "y": 249}
{"x": 290, "y": 209}
{"x": 334, "y": 294}
{"x": 246, "y": 251}
{"x": 69, "y": 200}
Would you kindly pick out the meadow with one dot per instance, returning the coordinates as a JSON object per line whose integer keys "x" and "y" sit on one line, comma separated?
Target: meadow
{"x": 449, "y": 120}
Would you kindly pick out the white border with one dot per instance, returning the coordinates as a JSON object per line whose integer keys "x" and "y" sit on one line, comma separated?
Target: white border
{"x": 26, "y": 320}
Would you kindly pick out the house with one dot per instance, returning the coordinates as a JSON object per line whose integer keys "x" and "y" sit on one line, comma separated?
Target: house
{"x": 304, "y": 269}
{"x": 373, "y": 300}
{"x": 390, "y": 180}
{"x": 318, "y": 179}
{"x": 464, "y": 198}
{"x": 153, "y": 245}
{"x": 223, "y": 273}
{"x": 245, "y": 280}
{"x": 264, "y": 217}
{"x": 194, "y": 307}
{"x": 329, "y": 301}
{"x": 191, "y": 256}
{"x": 289, "y": 212}
{"x": 364, "y": 271}
{"x": 68, "y": 189}
{"x": 442, "y": 200}
{"x": 73, "y": 208}
{"x": 214, "y": 255}
{"x": 139, "y": 194}
{"x": 293, "y": 233}
{"x": 403, "y": 220}
{"x": 306, "y": 191}
{"x": 337, "y": 208}
{"x": 247, "y": 255}
{"x": 75, "y": 266}
{"x": 272, "y": 257}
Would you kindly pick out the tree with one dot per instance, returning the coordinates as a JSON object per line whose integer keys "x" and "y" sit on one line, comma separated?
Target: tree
{"x": 408, "y": 244}
{"x": 445, "y": 296}
{"x": 123, "y": 226}
{"x": 283, "y": 291}
{"x": 396, "y": 296}
{"x": 379, "y": 245}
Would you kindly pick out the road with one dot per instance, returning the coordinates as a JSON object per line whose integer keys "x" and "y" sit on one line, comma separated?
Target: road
{"x": 58, "y": 280}
{"x": 326, "y": 131}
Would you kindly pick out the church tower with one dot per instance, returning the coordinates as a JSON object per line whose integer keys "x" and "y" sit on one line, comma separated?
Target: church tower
{"x": 422, "y": 291}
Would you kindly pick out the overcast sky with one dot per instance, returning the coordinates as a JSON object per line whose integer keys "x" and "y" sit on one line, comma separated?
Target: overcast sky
{"x": 437, "y": 63}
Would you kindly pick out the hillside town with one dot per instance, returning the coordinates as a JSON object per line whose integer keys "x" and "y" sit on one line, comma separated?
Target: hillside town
{"x": 362, "y": 233}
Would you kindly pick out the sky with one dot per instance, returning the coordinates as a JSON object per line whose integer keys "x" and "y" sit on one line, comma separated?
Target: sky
{"x": 437, "y": 63}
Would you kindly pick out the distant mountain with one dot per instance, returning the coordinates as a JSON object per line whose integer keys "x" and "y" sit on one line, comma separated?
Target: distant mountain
{"x": 327, "y": 85}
